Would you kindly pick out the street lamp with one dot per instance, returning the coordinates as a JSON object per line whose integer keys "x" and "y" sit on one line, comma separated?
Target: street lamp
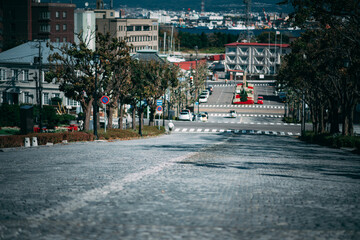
{"x": 95, "y": 107}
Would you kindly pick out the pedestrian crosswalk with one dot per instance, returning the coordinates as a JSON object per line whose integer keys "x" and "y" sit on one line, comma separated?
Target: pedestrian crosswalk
{"x": 233, "y": 85}
{"x": 246, "y": 115}
{"x": 254, "y": 123}
{"x": 237, "y": 131}
{"x": 241, "y": 106}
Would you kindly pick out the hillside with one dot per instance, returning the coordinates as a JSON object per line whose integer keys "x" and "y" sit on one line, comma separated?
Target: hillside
{"x": 210, "y": 5}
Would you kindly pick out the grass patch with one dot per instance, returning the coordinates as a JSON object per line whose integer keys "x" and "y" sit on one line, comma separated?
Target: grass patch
{"x": 9, "y": 130}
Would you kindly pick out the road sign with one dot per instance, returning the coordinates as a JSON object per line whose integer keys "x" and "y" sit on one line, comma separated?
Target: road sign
{"x": 159, "y": 102}
{"x": 159, "y": 109}
{"x": 105, "y": 99}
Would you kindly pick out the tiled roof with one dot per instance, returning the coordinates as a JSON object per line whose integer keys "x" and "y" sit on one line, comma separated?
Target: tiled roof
{"x": 147, "y": 55}
{"x": 186, "y": 65}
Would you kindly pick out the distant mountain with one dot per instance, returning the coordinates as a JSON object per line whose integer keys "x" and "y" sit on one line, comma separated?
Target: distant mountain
{"x": 210, "y": 5}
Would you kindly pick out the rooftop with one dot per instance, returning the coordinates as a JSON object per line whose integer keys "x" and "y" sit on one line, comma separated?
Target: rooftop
{"x": 235, "y": 44}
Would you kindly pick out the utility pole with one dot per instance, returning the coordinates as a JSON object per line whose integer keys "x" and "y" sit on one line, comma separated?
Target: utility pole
{"x": 39, "y": 84}
{"x": 95, "y": 106}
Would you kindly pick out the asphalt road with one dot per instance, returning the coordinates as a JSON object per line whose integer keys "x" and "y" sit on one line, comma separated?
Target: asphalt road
{"x": 181, "y": 186}
{"x": 251, "y": 119}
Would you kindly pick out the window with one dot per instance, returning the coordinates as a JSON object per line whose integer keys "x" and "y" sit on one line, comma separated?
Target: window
{"x": 231, "y": 50}
{"x": 64, "y": 14}
{"x": 137, "y": 28}
{"x": 57, "y": 14}
{"x": 46, "y": 98}
{"x": 27, "y": 97}
{"x": 44, "y": 28}
{"x": 2, "y": 74}
{"x": 146, "y": 28}
{"x": 111, "y": 14}
{"x": 25, "y": 75}
{"x": 244, "y": 67}
{"x": 57, "y": 27}
{"x": 130, "y": 28}
{"x": 64, "y": 39}
{"x": 45, "y": 15}
{"x": 57, "y": 95}
{"x": 64, "y": 27}
{"x": 71, "y": 102}
{"x": 57, "y": 39}
{"x": 15, "y": 74}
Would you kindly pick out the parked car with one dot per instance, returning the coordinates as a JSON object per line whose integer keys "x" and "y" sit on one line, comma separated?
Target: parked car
{"x": 233, "y": 114}
{"x": 205, "y": 92}
{"x": 186, "y": 110}
{"x": 260, "y": 100}
{"x": 186, "y": 116}
{"x": 202, "y": 117}
{"x": 203, "y": 99}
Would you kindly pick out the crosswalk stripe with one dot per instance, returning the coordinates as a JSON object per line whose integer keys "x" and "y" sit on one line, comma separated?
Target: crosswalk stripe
{"x": 192, "y": 130}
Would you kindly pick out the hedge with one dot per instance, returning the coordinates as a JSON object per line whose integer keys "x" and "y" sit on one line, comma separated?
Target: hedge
{"x": 44, "y": 138}
{"x": 333, "y": 140}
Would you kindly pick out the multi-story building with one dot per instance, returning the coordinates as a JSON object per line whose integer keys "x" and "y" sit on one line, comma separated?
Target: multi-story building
{"x": 16, "y": 22}
{"x": 19, "y": 71}
{"x": 53, "y": 21}
{"x": 256, "y": 59}
{"x": 27, "y": 20}
{"x": 138, "y": 33}
{"x": 85, "y": 27}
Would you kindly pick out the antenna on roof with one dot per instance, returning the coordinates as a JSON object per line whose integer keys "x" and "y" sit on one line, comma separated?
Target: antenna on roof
{"x": 248, "y": 12}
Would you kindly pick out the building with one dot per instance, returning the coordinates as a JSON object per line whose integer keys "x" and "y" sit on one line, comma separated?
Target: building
{"x": 19, "y": 71}
{"x": 259, "y": 60}
{"x": 139, "y": 33}
{"x": 53, "y": 21}
{"x": 85, "y": 27}
{"x": 16, "y": 23}
{"x": 27, "y": 20}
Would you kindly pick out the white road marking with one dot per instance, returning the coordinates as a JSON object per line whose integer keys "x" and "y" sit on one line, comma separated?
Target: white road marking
{"x": 98, "y": 194}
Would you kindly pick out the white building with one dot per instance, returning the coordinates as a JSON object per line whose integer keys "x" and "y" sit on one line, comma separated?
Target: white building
{"x": 84, "y": 24}
{"x": 254, "y": 58}
{"x": 19, "y": 71}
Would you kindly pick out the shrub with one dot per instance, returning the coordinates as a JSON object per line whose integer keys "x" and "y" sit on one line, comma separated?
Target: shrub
{"x": 10, "y": 115}
{"x": 335, "y": 140}
{"x": 43, "y": 138}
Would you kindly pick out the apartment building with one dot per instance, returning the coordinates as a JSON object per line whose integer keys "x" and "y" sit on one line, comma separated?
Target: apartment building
{"x": 256, "y": 59}
{"x": 53, "y": 21}
{"x": 139, "y": 33}
{"x": 27, "y": 20}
